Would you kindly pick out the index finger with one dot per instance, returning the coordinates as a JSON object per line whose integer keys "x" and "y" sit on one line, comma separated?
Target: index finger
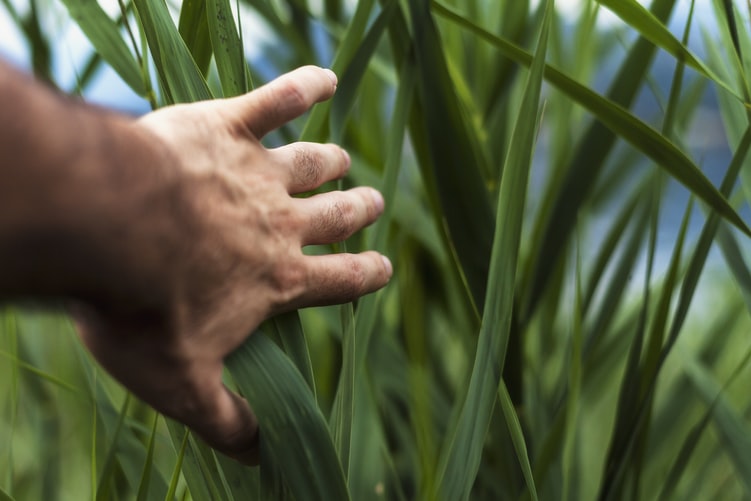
{"x": 284, "y": 99}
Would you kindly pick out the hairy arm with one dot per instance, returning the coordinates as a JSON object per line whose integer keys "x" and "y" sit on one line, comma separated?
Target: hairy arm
{"x": 173, "y": 236}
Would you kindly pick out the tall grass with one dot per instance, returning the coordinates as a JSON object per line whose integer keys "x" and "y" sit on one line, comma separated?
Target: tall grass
{"x": 569, "y": 313}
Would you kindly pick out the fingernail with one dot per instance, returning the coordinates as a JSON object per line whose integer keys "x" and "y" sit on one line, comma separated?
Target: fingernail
{"x": 332, "y": 76}
{"x": 377, "y": 200}
{"x": 347, "y": 159}
{"x": 387, "y": 264}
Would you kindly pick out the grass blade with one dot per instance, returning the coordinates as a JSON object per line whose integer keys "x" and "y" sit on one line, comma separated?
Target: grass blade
{"x": 639, "y": 18}
{"x": 517, "y": 437}
{"x": 292, "y": 427}
{"x": 459, "y": 195}
{"x": 460, "y": 457}
{"x": 692, "y": 440}
{"x": 194, "y": 29}
{"x": 350, "y": 80}
{"x": 104, "y": 35}
{"x": 730, "y": 425}
{"x": 178, "y": 468}
{"x": 178, "y": 73}
{"x": 4, "y": 496}
{"x": 143, "y": 489}
{"x": 228, "y": 49}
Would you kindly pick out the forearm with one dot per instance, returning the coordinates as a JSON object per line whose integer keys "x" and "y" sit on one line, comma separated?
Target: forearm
{"x": 74, "y": 178}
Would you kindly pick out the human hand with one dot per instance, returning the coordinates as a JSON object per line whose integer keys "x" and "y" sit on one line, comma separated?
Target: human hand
{"x": 228, "y": 254}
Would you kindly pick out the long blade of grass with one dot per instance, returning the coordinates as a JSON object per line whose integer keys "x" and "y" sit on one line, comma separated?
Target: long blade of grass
{"x": 651, "y": 28}
{"x": 731, "y": 251}
{"x": 104, "y": 35}
{"x": 692, "y": 439}
{"x": 288, "y": 329}
{"x": 462, "y": 451}
{"x": 194, "y": 28}
{"x": 342, "y": 414}
{"x": 178, "y": 73}
{"x": 350, "y": 80}
{"x": 143, "y": 489}
{"x": 517, "y": 438}
{"x": 178, "y": 468}
{"x": 204, "y": 483}
{"x": 459, "y": 195}
{"x": 315, "y": 127}
{"x": 110, "y": 461}
{"x": 732, "y": 428}
{"x": 701, "y": 251}
{"x": 242, "y": 482}
{"x": 291, "y": 425}
{"x": 228, "y": 49}
{"x": 4, "y": 496}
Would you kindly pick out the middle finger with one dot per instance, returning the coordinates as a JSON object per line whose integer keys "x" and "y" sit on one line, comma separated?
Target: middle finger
{"x": 334, "y": 216}
{"x": 306, "y": 166}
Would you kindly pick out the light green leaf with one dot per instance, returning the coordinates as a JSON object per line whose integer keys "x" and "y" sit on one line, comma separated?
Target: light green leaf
{"x": 639, "y": 18}
{"x": 105, "y": 36}
{"x": 228, "y": 49}
{"x": 178, "y": 73}
{"x": 292, "y": 429}
{"x": 462, "y": 450}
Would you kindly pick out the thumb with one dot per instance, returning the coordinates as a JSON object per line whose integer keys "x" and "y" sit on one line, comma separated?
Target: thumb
{"x": 224, "y": 421}
{"x": 283, "y": 99}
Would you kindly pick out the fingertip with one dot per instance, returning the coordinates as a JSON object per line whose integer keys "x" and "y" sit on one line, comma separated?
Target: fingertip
{"x": 377, "y": 200}
{"x": 347, "y": 160}
{"x": 387, "y": 266}
{"x": 332, "y": 76}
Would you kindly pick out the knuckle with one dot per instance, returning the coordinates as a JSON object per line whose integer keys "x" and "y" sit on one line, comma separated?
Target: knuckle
{"x": 341, "y": 219}
{"x": 308, "y": 167}
{"x": 355, "y": 277}
{"x": 288, "y": 282}
{"x": 292, "y": 93}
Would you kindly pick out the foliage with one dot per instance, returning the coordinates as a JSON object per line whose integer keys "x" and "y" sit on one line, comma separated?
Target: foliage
{"x": 560, "y": 323}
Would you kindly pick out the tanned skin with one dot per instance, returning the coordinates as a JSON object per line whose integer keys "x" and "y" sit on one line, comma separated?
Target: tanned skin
{"x": 172, "y": 237}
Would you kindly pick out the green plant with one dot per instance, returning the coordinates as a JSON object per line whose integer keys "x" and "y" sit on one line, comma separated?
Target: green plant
{"x": 551, "y": 331}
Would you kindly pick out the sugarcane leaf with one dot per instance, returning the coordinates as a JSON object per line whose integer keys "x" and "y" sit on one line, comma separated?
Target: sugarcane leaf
{"x": 178, "y": 74}
{"x": 453, "y": 168}
{"x": 462, "y": 450}
{"x": 104, "y": 35}
{"x": 194, "y": 29}
{"x": 228, "y": 49}
{"x": 292, "y": 428}
{"x": 639, "y": 18}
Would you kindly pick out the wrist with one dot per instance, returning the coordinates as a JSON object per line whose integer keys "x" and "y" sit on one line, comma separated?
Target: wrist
{"x": 103, "y": 220}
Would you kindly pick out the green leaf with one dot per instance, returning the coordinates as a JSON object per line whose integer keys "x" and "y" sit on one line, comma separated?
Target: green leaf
{"x": 347, "y": 91}
{"x": 194, "y": 29}
{"x": 178, "y": 73}
{"x": 517, "y": 437}
{"x": 228, "y": 50}
{"x": 462, "y": 451}
{"x": 453, "y": 167}
{"x": 639, "y": 18}
{"x": 143, "y": 489}
{"x": 291, "y": 425}
{"x": 197, "y": 464}
{"x": 730, "y": 425}
{"x": 4, "y": 496}
{"x": 104, "y": 35}
{"x": 178, "y": 467}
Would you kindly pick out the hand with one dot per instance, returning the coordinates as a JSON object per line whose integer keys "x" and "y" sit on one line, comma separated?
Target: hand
{"x": 229, "y": 255}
